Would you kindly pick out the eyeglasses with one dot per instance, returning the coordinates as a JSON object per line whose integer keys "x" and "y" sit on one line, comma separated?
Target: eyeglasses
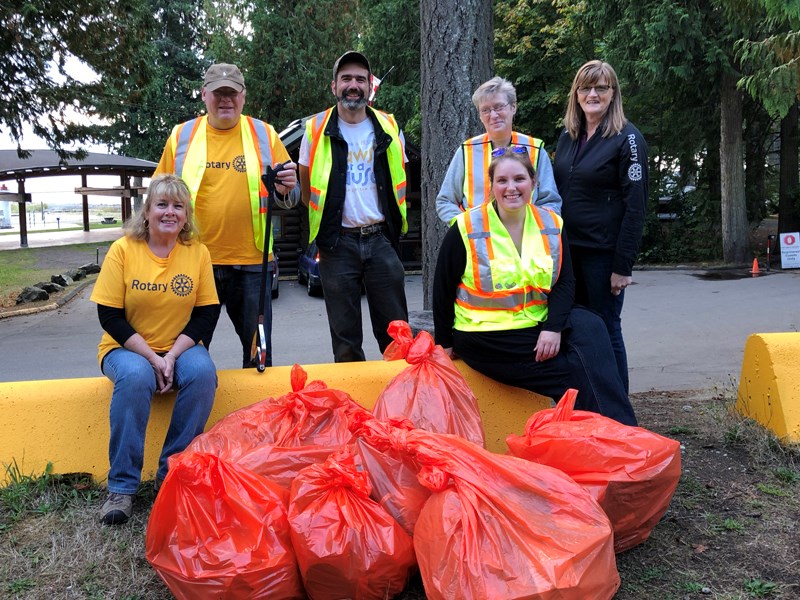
{"x": 600, "y": 89}
{"x": 498, "y": 108}
{"x": 515, "y": 149}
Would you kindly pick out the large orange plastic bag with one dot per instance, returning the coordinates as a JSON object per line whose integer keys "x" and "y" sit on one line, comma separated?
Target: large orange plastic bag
{"x": 392, "y": 471}
{"x": 431, "y": 392}
{"x": 501, "y": 527}
{"x": 279, "y": 437}
{"x": 218, "y": 531}
{"x": 347, "y": 545}
{"x": 631, "y": 472}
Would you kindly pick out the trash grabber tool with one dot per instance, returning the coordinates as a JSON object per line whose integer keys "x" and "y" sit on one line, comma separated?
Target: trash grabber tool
{"x": 258, "y": 351}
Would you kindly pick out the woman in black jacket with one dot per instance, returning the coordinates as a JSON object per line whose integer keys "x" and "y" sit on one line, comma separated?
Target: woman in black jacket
{"x": 601, "y": 173}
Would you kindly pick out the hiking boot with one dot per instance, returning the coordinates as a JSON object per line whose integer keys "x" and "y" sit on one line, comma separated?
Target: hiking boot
{"x": 117, "y": 509}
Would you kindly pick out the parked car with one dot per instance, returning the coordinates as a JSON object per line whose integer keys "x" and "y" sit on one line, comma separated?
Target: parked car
{"x": 308, "y": 270}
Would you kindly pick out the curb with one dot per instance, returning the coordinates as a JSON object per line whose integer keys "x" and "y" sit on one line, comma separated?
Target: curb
{"x": 57, "y": 304}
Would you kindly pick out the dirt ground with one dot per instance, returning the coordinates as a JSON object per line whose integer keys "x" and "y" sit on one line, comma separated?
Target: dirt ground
{"x": 731, "y": 531}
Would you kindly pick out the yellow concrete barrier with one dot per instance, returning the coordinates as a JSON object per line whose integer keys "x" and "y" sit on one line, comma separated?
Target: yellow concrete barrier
{"x": 65, "y": 421}
{"x": 769, "y": 387}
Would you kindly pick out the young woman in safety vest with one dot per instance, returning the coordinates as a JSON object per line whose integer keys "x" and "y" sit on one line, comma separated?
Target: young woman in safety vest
{"x": 503, "y": 298}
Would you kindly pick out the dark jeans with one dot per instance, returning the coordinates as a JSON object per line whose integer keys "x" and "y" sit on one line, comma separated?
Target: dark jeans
{"x": 355, "y": 260}
{"x": 585, "y": 362}
{"x": 238, "y": 289}
{"x": 593, "y": 270}
{"x": 134, "y": 386}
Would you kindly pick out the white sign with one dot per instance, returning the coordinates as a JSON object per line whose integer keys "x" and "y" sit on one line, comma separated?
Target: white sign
{"x": 790, "y": 250}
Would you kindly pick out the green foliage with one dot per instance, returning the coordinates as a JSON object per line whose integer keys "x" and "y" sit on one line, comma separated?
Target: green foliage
{"x": 758, "y": 588}
{"x": 539, "y": 44}
{"x": 390, "y": 38}
{"x": 141, "y": 99}
{"x": 286, "y": 50}
{"x": 771, "y": 490}
{"x": 37, "y": 37}
{"x": 786, "y": 476}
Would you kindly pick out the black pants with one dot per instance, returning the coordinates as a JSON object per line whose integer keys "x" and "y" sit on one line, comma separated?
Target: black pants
{"x": 585, "y": 362}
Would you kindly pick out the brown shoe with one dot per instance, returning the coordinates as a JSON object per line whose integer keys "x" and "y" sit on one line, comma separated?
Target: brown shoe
{"x": 117, "y": 509}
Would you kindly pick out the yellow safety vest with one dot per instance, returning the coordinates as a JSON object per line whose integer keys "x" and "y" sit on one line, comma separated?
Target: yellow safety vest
{"x": 478, "y": 155}
{"x": 190, "y": 150}
{"x": 501, "y": 289}
{"x": 321, "y": 163}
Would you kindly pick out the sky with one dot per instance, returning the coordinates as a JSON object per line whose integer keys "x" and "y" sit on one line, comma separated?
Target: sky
{"x": 59, "y": 190}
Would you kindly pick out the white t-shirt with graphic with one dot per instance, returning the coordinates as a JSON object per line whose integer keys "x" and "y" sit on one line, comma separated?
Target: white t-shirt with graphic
{"x": 361, "y": 206}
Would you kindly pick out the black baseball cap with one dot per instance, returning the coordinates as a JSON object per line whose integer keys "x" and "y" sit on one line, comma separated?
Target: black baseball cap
{"x": 351, "y": 56}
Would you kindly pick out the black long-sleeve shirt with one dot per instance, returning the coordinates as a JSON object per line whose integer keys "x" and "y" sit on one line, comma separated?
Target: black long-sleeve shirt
{"x": 113, "y": 321}
{"x": 450, "y": 267}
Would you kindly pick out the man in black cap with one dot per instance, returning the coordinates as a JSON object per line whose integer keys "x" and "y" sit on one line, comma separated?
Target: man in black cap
{"x": 221, "y": 157}
{"x": 352, "y": 175}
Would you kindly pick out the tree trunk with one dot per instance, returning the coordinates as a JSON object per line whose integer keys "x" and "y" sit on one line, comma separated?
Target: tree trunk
{"x": 755, "y": 135}
{"x": 788, "y": 203}
{"x": 457, "y": 43}
{"x": 735, "y": 238}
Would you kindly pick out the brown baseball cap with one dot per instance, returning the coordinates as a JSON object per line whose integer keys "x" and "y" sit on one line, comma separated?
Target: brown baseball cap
{"x": 351, "y": 56}
{"x": 223, "y": 75}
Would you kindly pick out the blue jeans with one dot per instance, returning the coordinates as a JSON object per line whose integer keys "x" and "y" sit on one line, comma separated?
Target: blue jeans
{"x": 238, "y": 289}
{"x": 355, "y": 260}
{"x": 134, "y": 386}
{"x": 584, "y": 362}
{"x": 593, "y": 270}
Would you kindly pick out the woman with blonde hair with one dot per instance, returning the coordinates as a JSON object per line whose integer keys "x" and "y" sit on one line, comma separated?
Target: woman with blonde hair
{"x": 601, "y": 172}
{"x": 156, "y": 300}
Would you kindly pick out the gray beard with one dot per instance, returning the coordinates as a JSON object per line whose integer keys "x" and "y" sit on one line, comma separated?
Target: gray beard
{"x": 353, "y": 104}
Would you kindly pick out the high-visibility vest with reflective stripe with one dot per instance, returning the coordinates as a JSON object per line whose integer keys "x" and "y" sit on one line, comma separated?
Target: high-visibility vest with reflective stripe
{"x": 478, "y": 155}
{"x": 321, "y": 163}
{"x": 190, "y": 151}
{"x": 502, "y": 289}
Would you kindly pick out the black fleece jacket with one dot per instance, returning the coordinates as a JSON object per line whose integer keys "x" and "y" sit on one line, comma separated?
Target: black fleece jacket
{"x": 604, "y": 192}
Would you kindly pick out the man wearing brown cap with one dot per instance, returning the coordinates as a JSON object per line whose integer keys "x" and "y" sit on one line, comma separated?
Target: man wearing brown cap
{"x": 352, "y": 174}
{"x": 221, "y": 157}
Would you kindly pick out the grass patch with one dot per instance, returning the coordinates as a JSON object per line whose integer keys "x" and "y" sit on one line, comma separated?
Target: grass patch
{"x": 27, "y": 266}
{"x": 758, "y": 588}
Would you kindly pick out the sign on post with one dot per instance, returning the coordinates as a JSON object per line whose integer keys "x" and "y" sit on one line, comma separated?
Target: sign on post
{"x": 790, "y": 250}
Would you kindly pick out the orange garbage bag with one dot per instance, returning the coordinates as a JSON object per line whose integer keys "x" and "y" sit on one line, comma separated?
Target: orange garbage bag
{"x": 392, "y": 472}
{"x": 501, "y": 527}
{"x": 279, "y": 437}
{"x": 347, "y": 545}
{"x": 631, "y": 472}
{"x": 218, "y": 531}
{"x": 431, "y": 392}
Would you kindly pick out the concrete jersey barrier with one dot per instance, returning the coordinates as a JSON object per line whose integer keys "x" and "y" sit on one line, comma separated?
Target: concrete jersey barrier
{"x": 64, "y": 422}
{"x": 769, "y": 386}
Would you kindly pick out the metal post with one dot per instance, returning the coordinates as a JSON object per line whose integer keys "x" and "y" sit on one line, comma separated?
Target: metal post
{"x": 23, "y": 224}
{"x": 85, "y": 203}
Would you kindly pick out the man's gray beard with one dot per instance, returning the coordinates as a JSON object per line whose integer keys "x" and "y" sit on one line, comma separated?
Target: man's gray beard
{"x": 353, "y": 104}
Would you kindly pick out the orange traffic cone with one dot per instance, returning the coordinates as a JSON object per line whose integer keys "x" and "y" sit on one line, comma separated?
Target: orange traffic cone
{"x": 755, "y": 270}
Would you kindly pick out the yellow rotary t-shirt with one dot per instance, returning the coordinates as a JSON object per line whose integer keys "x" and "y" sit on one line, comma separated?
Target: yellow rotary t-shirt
{"x": 222, "y": 207}
{"x": 158, "y": 294}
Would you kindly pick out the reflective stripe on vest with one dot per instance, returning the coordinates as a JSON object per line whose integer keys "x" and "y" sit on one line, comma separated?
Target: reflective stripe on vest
{"x": 320, "y": 164}
{"x": 190, "y": 151}
{"x": 501, "y": 289}
{"x": 477, "y": 156}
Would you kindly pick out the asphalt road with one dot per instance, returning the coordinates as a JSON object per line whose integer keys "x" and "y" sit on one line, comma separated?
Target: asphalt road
{"x": 683, "y": 331}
